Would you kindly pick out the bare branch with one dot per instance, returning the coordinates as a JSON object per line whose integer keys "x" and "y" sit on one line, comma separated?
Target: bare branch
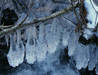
{"x": 21, "y": 25}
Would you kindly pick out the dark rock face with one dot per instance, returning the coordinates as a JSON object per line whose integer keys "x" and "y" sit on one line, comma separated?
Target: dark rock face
{"x": 9, "y": 17}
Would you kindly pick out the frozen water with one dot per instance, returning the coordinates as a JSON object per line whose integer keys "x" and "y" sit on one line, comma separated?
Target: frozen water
{"x": 45, "y": 41}
{"x": 25, "y": 72}
{"x": 87, "y": 33}
{"x": 92, "y": 17}
{"x": 41, "y": 44}
{"x": 92, "y": 10}
{"x": 31, "y": 45}
{"x": 53, "y": 35}
{"x": 16, "y": 51}
{"x": 68, "y": 27}
{"x": 81, "y": 56}
{"x": 93, "y": 57}
{"x": 72, "y": 44}
{"x": 7, "y": 39}
{"x": 49, "y": 66}
{"x": 78, "y": 51}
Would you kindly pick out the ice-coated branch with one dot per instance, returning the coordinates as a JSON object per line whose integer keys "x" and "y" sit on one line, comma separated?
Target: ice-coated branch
{"x": 21, "y": 25}
{"x": 14, "y": 27}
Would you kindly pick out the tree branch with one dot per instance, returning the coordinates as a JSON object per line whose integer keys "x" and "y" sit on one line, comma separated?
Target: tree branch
{"x": 21, "y": 25}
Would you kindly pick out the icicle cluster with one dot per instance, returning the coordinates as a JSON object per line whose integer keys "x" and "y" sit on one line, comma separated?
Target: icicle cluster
{"x": 37, "y": 43}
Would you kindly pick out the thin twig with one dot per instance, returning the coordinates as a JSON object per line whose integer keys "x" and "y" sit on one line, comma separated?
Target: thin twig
{"x": 79, "y": 26}
{"x": 21, "y": 25}
{"x": 18, "y": 24}
{"x": 75, "y": 12}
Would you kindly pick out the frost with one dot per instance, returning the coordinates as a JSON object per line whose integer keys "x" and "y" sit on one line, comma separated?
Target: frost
{"x": 16, "y": 51}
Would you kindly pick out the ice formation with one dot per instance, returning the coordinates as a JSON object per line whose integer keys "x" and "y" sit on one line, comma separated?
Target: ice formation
{"x": 88, "y": 33}
{"x": 43, "y": 45}
{"x": 92, "y": 16}
{"x": 53, "y": 35}
{"x": 45, "y": 39}
{"x": 31, "y": 45}
{"x": 16, "y": 51}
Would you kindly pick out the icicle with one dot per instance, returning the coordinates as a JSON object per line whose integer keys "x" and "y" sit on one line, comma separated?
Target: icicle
{"x": 31, "y": 45}
{"x": 79, "y": 52}
{"x": 16, "y": 52}
{"x": 68, "y": 28}
{"x": 93, "y": 57}
{"x": 7, "y": 39}
{"x": 72, "y": 44}
{"x": 53, "y": 35}
{"x": 41, "y": 44}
